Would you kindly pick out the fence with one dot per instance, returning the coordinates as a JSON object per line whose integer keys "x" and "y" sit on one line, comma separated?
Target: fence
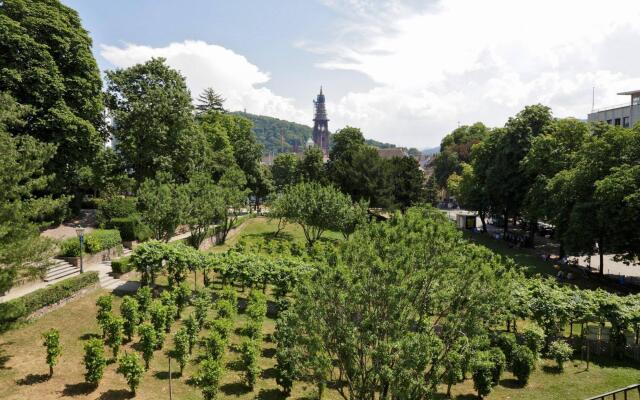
{"x": 596, "y": 342}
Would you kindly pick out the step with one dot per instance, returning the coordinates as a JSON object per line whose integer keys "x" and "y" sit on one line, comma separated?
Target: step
{"x": 62, "y": 274}
{"x": 60, "y": 267}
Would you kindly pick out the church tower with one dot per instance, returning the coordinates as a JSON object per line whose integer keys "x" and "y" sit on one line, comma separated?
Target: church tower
{"x": 321, "y": 124}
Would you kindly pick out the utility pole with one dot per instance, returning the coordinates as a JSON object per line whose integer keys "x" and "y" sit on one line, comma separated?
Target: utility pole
{"x": 170, "y": 392}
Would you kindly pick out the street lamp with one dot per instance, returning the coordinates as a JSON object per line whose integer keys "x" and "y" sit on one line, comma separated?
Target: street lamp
{"x": 80, "y": 233}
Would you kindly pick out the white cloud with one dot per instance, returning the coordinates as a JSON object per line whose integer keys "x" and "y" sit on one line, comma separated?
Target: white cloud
{"x": 468, "y": 60}
{"x": 208, "y": 65}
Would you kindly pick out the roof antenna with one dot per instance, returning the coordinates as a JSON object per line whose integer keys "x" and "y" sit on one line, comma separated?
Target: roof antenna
{"x": 593, "y": 99}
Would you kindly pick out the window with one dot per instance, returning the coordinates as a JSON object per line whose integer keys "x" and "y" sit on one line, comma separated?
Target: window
{"x": 635, "y": 100}
{"x": 625, "y": 122}
{"x": 617, "y": 123}
{"x": 609, "y": 121}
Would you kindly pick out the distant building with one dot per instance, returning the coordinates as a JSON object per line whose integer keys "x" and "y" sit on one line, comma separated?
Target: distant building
{"x": 393, "y": 152}
{"x": 321, "y": 124}
{"x": 625, "y": 115}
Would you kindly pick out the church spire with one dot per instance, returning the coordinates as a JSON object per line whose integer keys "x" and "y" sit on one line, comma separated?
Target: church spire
{"x": 321, "y": 124}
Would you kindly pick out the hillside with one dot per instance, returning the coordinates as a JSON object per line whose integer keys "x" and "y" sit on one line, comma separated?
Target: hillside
{"x": 269, "y": 129}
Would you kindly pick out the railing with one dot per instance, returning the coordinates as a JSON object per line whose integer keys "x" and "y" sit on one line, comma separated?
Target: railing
{"x": 613, "y": 393}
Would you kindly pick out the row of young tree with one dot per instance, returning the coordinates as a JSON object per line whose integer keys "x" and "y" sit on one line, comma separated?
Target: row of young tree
{"x": 583, "y": 179}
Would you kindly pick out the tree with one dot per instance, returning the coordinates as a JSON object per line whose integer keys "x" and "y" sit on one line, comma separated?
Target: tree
{"x": 94, "y": 361}
{"x": 214, "y": 345}
{"x": 431, "y": 191}
{"x": 52, "y": 345}
{"x": 148, "y": 340}
{"x": 161, "y": 205}
{"x": 114, "y": 334}
{"x": 445, "y": 164}
{"x": 407, "y": 182}
{"x": 208, "y": 378}
{"x": 46, "y": 63}
{"x": 314, "y": 207}
{"x": 151, "y": 110}
{"x": 263, "y": 186}
{"x": 233, "y": 197}
{"x": 249, "y": 353}
{"x": 284, "y": 170}
{"x": 561, "y": 352}
{"x": 129, "y": 366}
{"x": 209, "y": 100}
{"x": 438, "y": 290}
{"x": 147, "y": 258}
{"x": 482, "y": 375}
{"x": 201, "y": 207}
{"x": 143, "y": 297}
{"x": 192, "y": 328}
{"x": 534, "y": 338}
{"x": 286, "y": 355}
{"x": 181, "y": 347}
{"x": 462, "y": 139}
{"x": 472, "y": 194}
{"x": 247, "y": 152}
{"x": 22, "y": 210}
{"x": 160, "y": 320}
{"x": 311, "y": 167}
{"x": 129, "y": 311}
{"x": 104, "y": 304}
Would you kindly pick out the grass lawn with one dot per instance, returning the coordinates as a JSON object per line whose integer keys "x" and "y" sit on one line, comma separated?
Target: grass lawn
{"x": 23, "y": 372}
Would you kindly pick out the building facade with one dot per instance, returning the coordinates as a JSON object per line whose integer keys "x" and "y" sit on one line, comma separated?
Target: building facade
{"x": 625, "y": 115}
{"x": 321, "y": 124}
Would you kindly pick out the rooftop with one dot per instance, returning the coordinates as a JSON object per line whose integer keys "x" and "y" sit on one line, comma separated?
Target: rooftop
{"x": 632, "y": 92}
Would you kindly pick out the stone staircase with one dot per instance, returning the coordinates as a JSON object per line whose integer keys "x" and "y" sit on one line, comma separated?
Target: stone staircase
{"x": 107, "y": 280}
{"x": 60, "y": 269}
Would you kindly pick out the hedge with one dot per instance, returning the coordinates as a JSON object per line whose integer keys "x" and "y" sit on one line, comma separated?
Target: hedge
{"x": 121, "y": 266}
{"x": 131, "y": 228}
{"x": 15, "y": 311}
{"x": 94, "y": 242}
{"x": 115, "y": 207}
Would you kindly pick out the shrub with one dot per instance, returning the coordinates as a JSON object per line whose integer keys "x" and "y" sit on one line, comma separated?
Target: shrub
{"x": 144, "y": 297}
{"x": 222, "y": 325}
{"x": 208, "y": 378}
{"x": 94, "y": 361}
{"x": 121, "y": 266}
{"x": 17, "y": 310}
{"x": 104, "y": 304}
{"x": 201, "y": 307}
{"x": 257, "y": 306}
{"x": 214, "y": 344}
{"x": 159, "y": 319}
{"x": 191, "y": 325}
{"x": 229, "y": 293}
{"x": 533, "y": 337}
{"x": 482, "y": 375}
{"x": 253, "y": 329}
{"x": 94, "y": 242}
{"x": 225, "y": 309}
{"x": 129, "y": 311}
{"x": 52, "y": 345}
{"x": 523, "y": 363}
{"x": 181, "y": 347}
{"x": 249, "y": 351}
{"x": 131, "y": 228}
{"x": 147, "y": 342}
{"x": 129, "y": 366}
{"x": 499, "y": 362}
{"x": 114, "y": 334}
{"x": 560, "y": 351}
{"x": 115, "y": 207}
{"x": 168, "y": 300}
{"x": 507, "y": 343}
{"x": 182, "y": 296}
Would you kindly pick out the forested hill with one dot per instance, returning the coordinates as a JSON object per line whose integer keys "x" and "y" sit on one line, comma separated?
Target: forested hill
{"x": 269, "y": 129}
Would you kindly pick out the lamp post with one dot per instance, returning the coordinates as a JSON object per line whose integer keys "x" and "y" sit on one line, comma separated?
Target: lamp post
{"x": 80, "y": 233}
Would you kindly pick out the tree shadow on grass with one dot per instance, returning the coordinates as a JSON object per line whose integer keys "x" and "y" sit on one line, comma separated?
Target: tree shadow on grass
{"x": 4, "y": 357}
{"x": 113, "y": 394}
{"x": 551, "y": 369}
{"x": 235, "y": 365}
{"x": 268, "y": 353}
{"x": 466, "y": 397}
{"x": 164, "y": 375}
{"x": 511, "y": 383}
{"x": 88, "y": 336}
{"x": 234, "y": 389}
{"x": 32, "y": 379}
{"x": 269, "y": 373}
{"x": 77, "y": 389}
{"x": 270, "y": 394}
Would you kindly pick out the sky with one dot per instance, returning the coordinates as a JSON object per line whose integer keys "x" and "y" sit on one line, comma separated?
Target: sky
{"x": 404, "y": 71}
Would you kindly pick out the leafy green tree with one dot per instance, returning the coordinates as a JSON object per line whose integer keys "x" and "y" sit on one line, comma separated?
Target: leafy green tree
{"x": 94, "y": 361}
{"x": 214, "y": 345}
{"x": 104, "y": 304}
{"x": 523, "y": 364}
{"x": 129, "y": 366}
{"x": 147, "y": 259}
{"x": 247, "y": 152}
{"x": 482, "y": 376}
{"x": 114, "y": 334}
{"x": 472, "y": 194}
{"x": 153, "y": 124}
{"x": 160, "y": 320}
{"x": 534, "y": 338}
{"x": 201, "y": 308}
{"x": 462, "y": 139}
{"x": 52, "y": 344}
{"x": 208, "y": 378}
{"x": 181, "y": 347}
{"x": 46, "y": 64}
{"x": 233, "y": 197}
{"x": 191, "y": 325}
{"x": 249, "y": 353}
{"x": 445, "y": 164}
{"x": 262, "y": 186}
{"x": 560, "y": 351}
{"x": 287, "y": 358}
{"x": 407, "y": 182}
{"x": 284, "y": 170}
{"x": 161, "y": 206}
{"x": 314, "y": 207}
{"x": 431, "y": 191}
{"x": 499, "y": 361}
{"x": 148, "y": 339}
{"x": 311, "y": 167}
{"x": 143, "y": 297}
{"x": 210, "y": 100}
{"x": 182, "y": 296}
{"x": 23, "y": 210}
{"x": 201, "y": 207}
{"x": 429, "y": 276}
{"x": 129, "y": 309}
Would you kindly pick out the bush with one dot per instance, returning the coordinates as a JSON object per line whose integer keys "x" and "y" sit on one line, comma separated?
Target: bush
{"x": 499, "y": 362}
{"x": 507, "y": 343}
{"x": 147, "y": 342}
{"x": 17, "y": 310}
{"x": 144, "y": 296}
{"x": 121, "y": 266}
{"x": 482, "y": 376}
{"x": 214, "y": 345}
{"x": 225, "y": 309}
{"x": 129, "y": 311}
{"x": 533, "y": 337}
{"x": 257, "y": 306}
{"x": 181, "y": 347}
{"x": 52, "y": 345}
{"x": 208, "y": 378}
{"x": 560, "y": 351}
{"x": 115, "y": 207}
{"x": 249, "y": 351}
{"x": 114, "y": 334}
{"x": 94, "y": 242}
{"x": 94, "y": 361}
{"x": 523, "y": 363}
{"x": 131, "y": 228}
{"x": 222, "y": 325}
{"x": 129, "y": 366}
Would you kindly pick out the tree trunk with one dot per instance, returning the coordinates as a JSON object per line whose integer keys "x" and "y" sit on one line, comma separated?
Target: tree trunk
{"x": 51, "y": 368}
{"x": 484, "y": 222}
{"x": 505, "y": 229}
{"x": 601, "y": 254}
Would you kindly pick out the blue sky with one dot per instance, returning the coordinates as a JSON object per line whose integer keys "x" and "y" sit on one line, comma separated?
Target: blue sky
{"x": 404, "y": 71}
